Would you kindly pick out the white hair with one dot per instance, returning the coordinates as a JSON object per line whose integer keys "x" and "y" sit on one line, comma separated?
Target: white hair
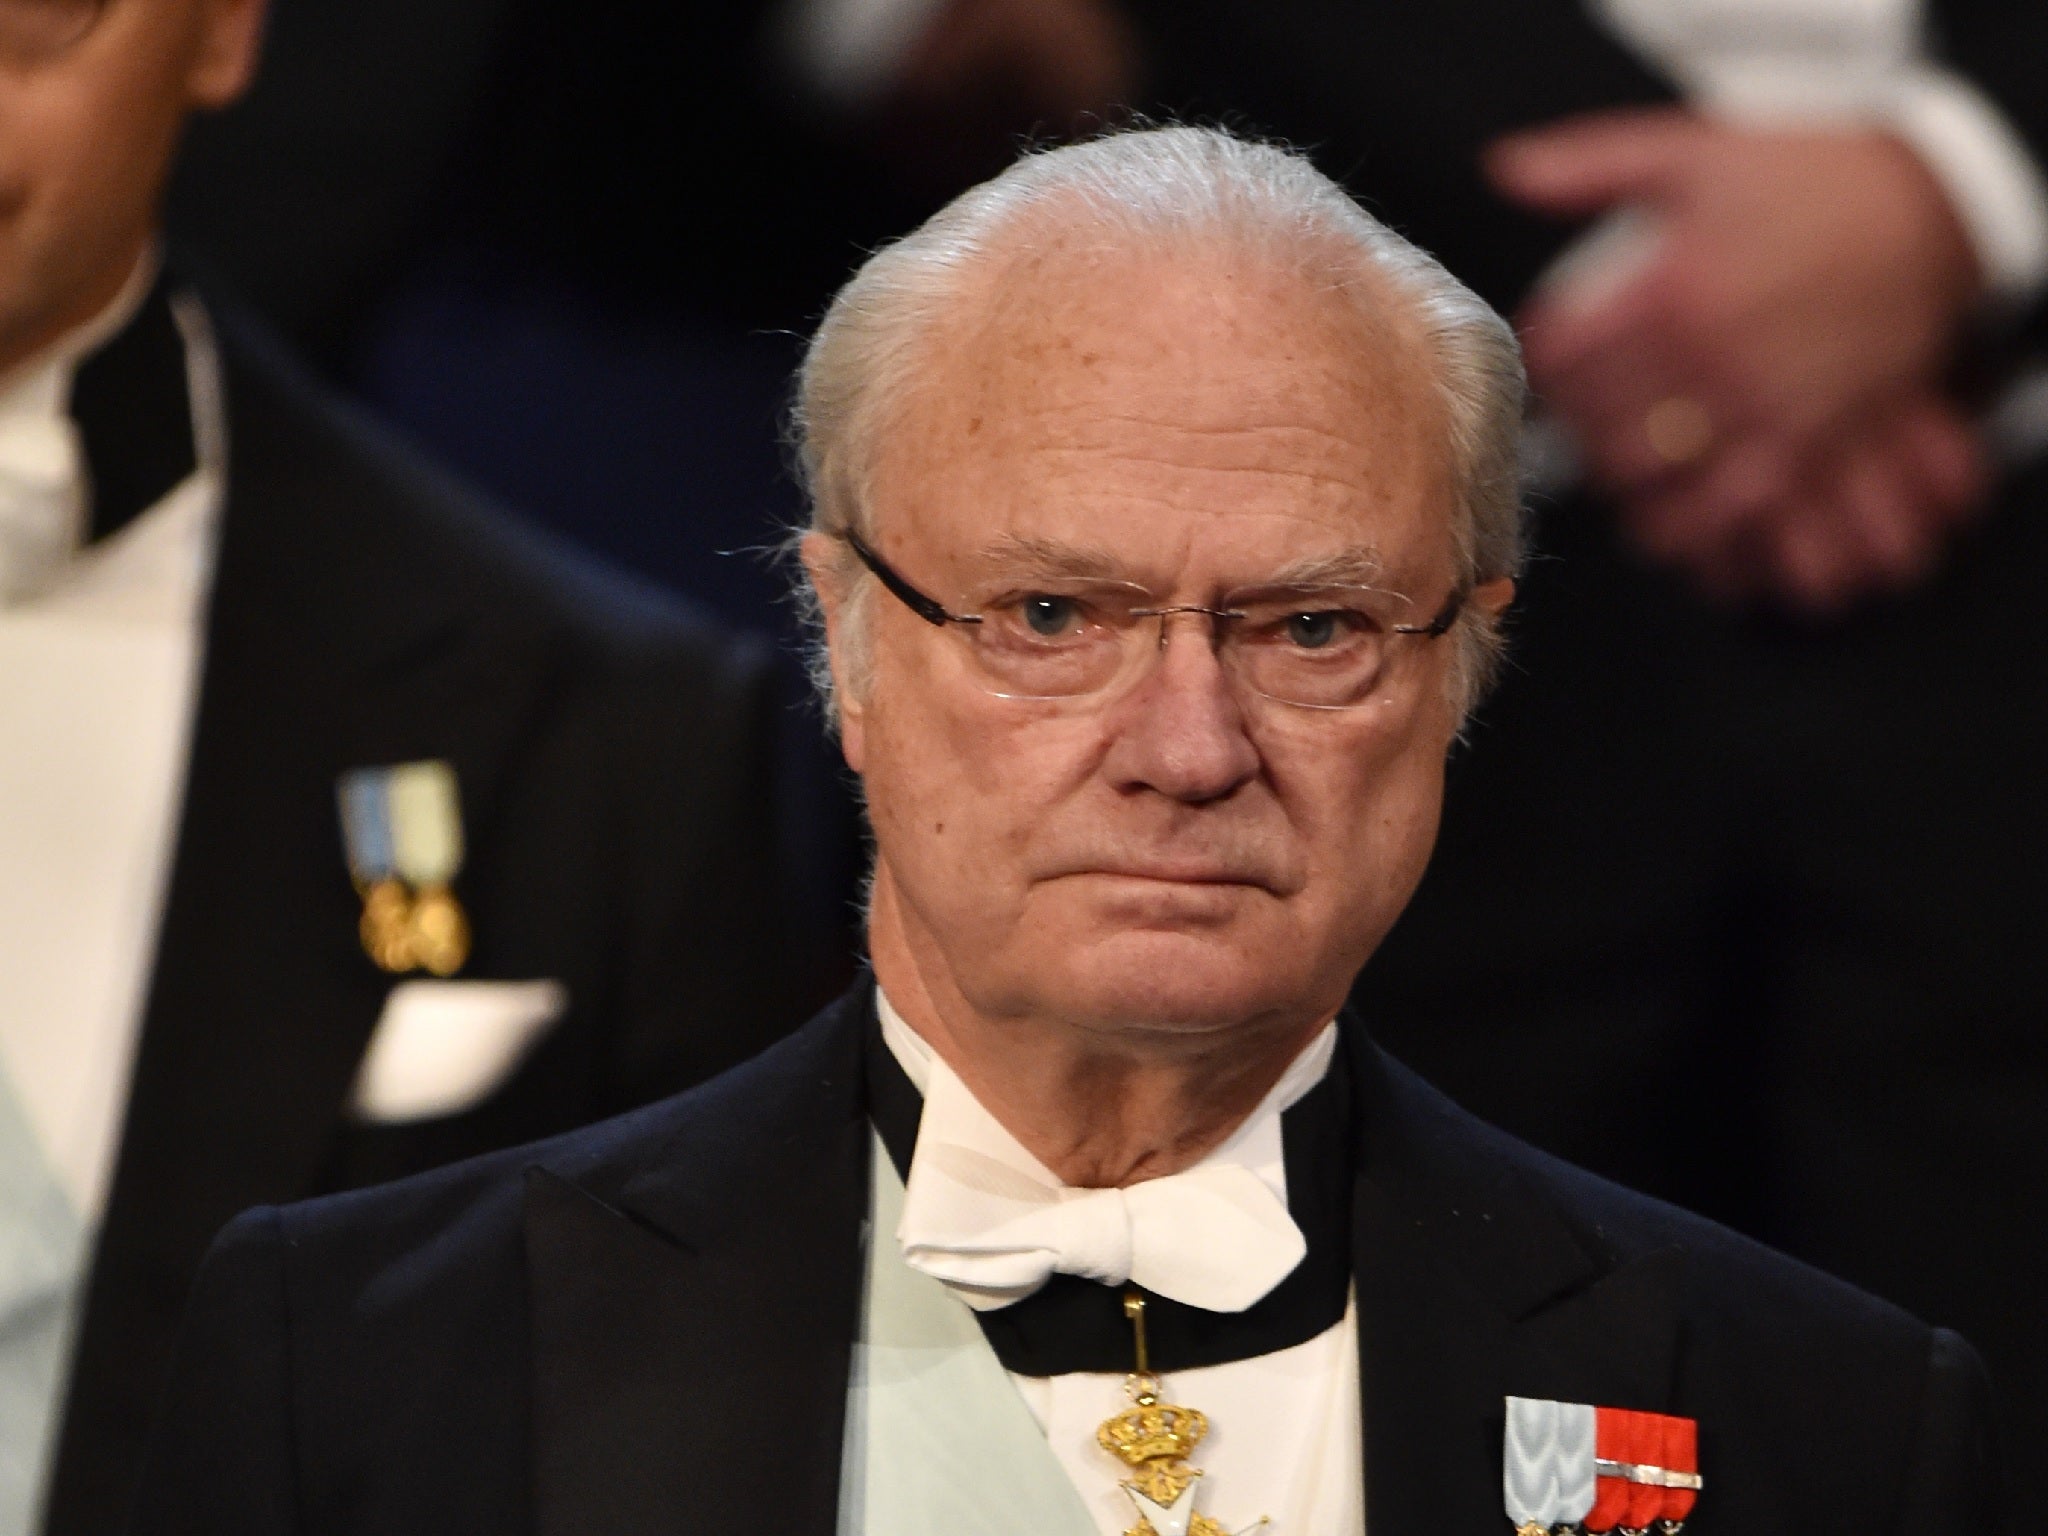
{"x": 1145, "y": 187}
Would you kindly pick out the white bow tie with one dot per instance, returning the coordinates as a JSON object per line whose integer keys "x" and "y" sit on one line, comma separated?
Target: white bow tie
{"x": 1214, "y": 1237}
{"x": 42, "y": 499}
{"x": 988, "y": 1219}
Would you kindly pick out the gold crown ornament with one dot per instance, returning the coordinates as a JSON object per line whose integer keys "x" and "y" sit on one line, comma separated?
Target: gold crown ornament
{"x": 1154, "y": 1438}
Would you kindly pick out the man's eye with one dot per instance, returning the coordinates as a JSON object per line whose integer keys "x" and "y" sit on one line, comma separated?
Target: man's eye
{"x": 1050, "y": 615}
{"x": 1313, "y": 631}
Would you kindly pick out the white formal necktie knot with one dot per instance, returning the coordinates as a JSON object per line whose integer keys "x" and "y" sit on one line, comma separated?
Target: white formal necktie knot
{"x": 993, "y": 1223}
{"x": 1215, "y": 1237}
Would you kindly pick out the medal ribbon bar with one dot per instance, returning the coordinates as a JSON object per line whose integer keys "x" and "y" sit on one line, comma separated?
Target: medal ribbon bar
{"x": 1570, "y": 1466}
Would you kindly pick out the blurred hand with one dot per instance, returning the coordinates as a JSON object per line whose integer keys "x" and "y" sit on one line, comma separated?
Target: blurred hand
{"x": 1795, "y": 277}
{"x": 1869, "y": 512}
{"x": 1757, "y": 383}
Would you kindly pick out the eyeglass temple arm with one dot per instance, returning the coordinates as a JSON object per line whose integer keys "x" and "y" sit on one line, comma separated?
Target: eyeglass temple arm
{"x": 928, "y": 609}
{"x": 1446, "y": 616}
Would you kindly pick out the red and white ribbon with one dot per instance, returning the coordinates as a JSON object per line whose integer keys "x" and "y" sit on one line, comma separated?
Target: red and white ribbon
{"x": 1602, "y": 1469}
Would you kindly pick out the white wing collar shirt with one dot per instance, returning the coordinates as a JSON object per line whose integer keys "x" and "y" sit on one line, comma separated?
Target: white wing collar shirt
{"x": 994, "y": 1225}
{"x": 99, "y": 647}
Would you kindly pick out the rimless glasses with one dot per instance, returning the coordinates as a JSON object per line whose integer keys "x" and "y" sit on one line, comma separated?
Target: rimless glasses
{"x": 1313, "y": 646}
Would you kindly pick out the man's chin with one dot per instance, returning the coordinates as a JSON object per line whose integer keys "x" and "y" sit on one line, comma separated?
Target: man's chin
{"x": 1183, "y": 979}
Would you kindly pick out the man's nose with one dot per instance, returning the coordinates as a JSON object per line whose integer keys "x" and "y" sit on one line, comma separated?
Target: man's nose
{"x": 1181, "y": 728}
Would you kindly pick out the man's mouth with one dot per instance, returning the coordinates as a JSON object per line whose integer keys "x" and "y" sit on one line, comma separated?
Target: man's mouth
{"x": 1177, "y": 872}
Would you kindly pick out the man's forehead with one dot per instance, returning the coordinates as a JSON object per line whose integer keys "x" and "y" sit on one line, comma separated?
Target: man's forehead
{"x": 1067, "y": 335}
{"x": 1090, "y": 386}
{"x": 1068, "y": 314}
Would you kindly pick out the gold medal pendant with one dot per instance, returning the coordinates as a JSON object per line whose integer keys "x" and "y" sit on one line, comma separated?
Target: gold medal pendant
{"x": 439, "y": 931}
{"x": 402, "y": 829}
{"x": 386, "y": 926}
{"x": 1154, "y": 1438}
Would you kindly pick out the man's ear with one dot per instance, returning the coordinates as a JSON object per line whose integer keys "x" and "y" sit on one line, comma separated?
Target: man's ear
{"x": 1492, "y": 597}
{"x": 228, "y": 48}
{"x": 829, "y": 580}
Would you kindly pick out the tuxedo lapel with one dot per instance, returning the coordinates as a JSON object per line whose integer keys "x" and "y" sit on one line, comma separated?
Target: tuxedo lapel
{"x": 693, "y": 1330}
{"x": 323, "y": 650}
{"x": 1471, "y": 1287}
{"x": 1430, "y": 1348}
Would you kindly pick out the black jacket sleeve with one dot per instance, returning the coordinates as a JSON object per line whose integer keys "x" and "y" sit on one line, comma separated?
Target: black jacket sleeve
{"x": 1952, "y": 1481}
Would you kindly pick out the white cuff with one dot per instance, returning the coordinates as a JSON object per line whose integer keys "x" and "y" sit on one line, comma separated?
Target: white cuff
{"x": 1987, "y": 170}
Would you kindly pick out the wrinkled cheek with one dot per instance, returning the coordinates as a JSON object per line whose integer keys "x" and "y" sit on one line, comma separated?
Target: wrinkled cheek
{"x": 1390, "y": 838}
{"x": 971, "y": 796}
{"x": 1404, "y": 840}
{"x": 931, "y": 829}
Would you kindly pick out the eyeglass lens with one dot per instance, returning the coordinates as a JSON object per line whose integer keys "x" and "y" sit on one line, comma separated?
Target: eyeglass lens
{"x": 1323, "y": 650}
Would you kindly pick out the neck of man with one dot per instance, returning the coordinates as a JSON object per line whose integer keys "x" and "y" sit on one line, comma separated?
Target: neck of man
{"x": 1100, "y": 1108}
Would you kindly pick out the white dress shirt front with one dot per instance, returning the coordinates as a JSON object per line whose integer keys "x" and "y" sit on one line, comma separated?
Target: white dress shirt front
{"x": 1284, "y": 1436}
{"x": 97, "y": 677}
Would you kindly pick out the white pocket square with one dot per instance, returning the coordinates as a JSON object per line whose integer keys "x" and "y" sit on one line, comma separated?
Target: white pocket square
{"x": 442, "y": 1046}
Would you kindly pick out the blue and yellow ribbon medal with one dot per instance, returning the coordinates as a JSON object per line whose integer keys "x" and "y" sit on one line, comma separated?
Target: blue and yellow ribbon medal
{"x": 402, "y": 827}
{"x": 1154, "y": 1439}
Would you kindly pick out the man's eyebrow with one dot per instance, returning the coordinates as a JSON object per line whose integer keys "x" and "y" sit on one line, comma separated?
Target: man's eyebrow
{"x": 1347, "y": 568}
{"x": 1026, "y": 555}
{"x": 1031, "y": 556}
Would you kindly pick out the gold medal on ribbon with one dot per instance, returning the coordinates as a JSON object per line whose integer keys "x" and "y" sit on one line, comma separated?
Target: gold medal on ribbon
{"x": 386, "y": 925}
{"x": 439, "y": 931}
{"x": 402, "y": 827}
{"x": 1154, "y": 1438}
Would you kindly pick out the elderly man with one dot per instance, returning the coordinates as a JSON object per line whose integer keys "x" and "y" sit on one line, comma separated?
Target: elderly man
{"x": 1164, "y": 519}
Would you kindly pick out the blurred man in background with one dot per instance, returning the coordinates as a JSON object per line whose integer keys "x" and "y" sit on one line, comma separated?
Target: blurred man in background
{"x": 344, "y": 829}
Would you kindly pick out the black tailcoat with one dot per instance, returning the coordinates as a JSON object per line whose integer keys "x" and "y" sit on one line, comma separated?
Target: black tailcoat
{"x": 615, "y": 762}
{"x": 646, "y": 1326}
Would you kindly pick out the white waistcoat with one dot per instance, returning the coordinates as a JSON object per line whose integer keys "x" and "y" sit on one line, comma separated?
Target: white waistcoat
{"x": 938, "y": 1441}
